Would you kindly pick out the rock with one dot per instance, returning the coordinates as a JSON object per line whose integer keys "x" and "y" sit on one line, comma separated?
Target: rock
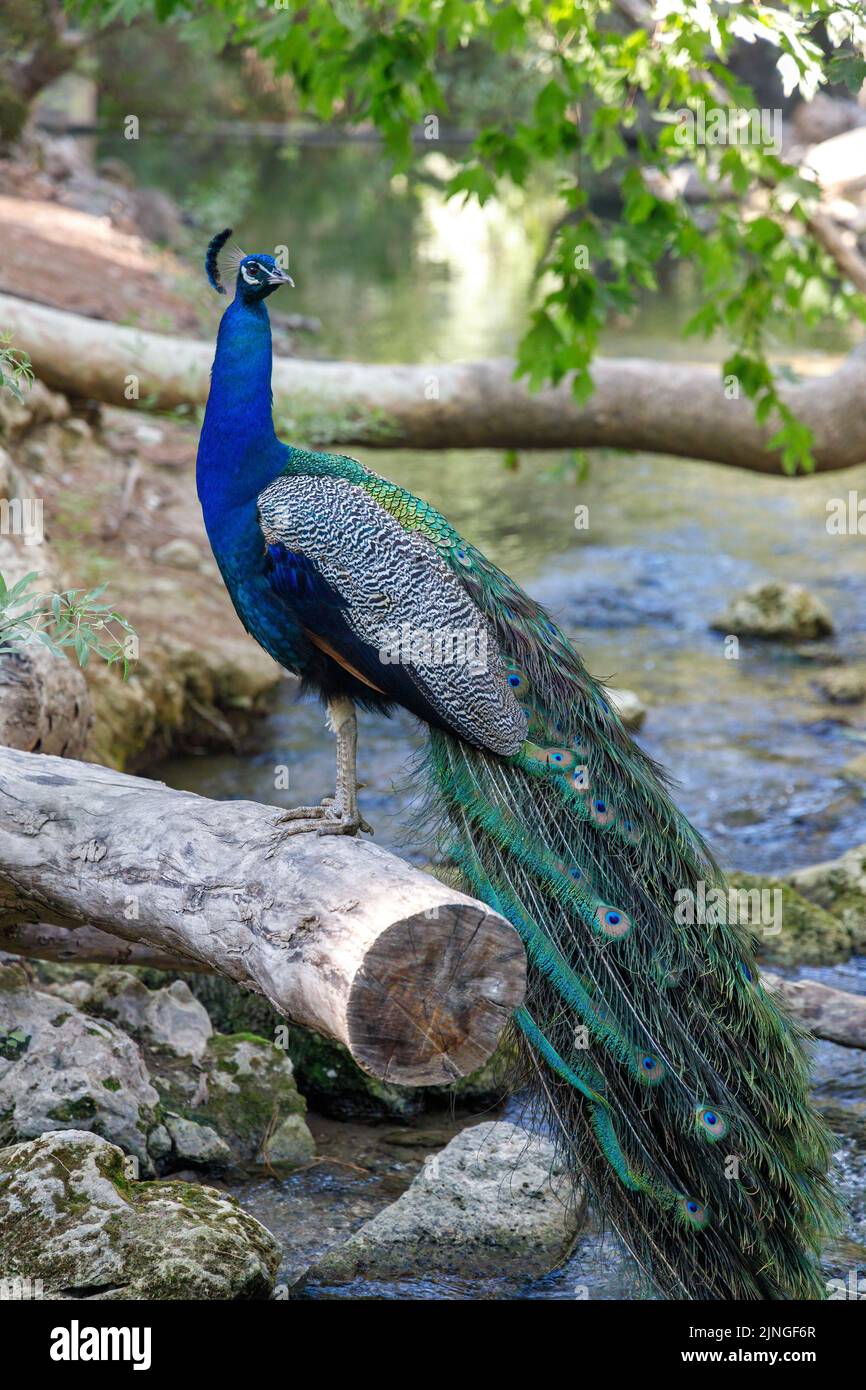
{"x": 197, "y": 1144}
{"x": 843, "y": 685}
{"x": 39, "y": 406}
{"x": 159, "y": 1144}
{"x": 786, "y": 612}
{"x": 180, "y": 554}
{"x": 834, "y": 1014}
{"x": 170, "y": 1017}
{"x": 823, "y": 118}
{"x": 75, "y": 992}
{"x": 71, "y": 1217}
{"x": 810, "y": 935}
{"x": 178, "y": 1021}
{"x": 493, "y": 1201}
{"x": 855, "y": 771}
{"x": 629, "y": 706}
{"x": 70, "y": 1072}
{"x": 77, "y": 432}
{"x": 839, "y": 886}
{"x": 244, "y": 1089}
{"x": 251, "y": 1091}
{"x": 149, "y": 434}
{"x": 290, "y": 1146}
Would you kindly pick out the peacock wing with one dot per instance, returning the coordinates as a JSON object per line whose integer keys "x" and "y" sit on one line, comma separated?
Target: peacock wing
{"x": 380, "y": 599}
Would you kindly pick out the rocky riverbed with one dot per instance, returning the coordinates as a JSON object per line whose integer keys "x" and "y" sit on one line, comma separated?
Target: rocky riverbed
{"x": 189, "y": 1155}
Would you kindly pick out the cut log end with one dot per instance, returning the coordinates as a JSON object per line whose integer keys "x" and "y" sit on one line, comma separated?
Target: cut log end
{"x": 433, "y": 994}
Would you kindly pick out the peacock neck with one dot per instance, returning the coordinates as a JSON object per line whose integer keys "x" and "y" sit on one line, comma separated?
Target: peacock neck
{"x": 238, "y": 453}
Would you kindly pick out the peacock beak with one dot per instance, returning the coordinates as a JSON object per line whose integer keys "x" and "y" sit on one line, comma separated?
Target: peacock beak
{"x": 279, "y": 277}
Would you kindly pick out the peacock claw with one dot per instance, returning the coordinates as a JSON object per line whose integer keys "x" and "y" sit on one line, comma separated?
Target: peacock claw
{"x": 326, "y": 819}
{"x": 337, "y": 814}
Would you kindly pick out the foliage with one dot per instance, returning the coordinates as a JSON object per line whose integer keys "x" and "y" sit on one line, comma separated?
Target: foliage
{"x": 16, "y": 373}
{"x": 612, "y": 95}
{"x": 75, "y": 618}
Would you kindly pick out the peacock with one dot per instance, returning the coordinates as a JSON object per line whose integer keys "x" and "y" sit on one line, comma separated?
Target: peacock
{"x": 675, "y": 1088}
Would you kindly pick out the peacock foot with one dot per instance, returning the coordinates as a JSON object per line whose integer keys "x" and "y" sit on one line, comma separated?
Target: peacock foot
{"x": 331, "y": 817}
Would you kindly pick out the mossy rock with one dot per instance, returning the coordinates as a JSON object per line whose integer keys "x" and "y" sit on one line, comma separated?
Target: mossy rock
{"x": 248, "y": 1097}
{"x": 839, "y": 886}
{"x": 71, "y": 1217}
{"x": 809, "y": 936}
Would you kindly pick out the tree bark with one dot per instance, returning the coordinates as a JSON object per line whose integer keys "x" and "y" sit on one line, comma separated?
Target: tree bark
{"x": 416, "y": 979}
{"x": 661, "y": 407}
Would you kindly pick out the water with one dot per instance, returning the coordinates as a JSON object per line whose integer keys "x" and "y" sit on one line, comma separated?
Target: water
{"x": 760, "y": 759}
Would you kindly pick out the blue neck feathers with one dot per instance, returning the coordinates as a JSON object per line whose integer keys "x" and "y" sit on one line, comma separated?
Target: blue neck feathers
{"x": 238, "y": 452}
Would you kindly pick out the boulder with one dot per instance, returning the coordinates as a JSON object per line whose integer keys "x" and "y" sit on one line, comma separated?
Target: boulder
{"x": 251, "y": 1093}
{"x": 810, "y": 935}
{"x": 243, "y": 1090}
{"x": 494, "y": 1201}
{"x": 61, "y": 1069}
{"x": 170, "y": 1017}
{"x": 329, "y": 1077}
{"x": 180, "y": 554}
{"x": 786, "y": 612}
{"x": 196, "y": 1144}
{"x": 71, "y": 1217}
{"x": 839, "y": 886}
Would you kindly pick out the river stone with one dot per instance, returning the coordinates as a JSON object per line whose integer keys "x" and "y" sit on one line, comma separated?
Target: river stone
{"x": 71, "y": 1216}
{"x": 493, "y": 1202}
{"x": 197, "y": 1144}
{"x": 170, "y": 1017}
{"x": 69, "y": 1071}
{"x": 810, "y": 935}
{"x": 774, "y": 610}
{"x": 843, "y": 685}
{"x": 290, "y": 1146}
{"x": 244, "y": 1089}
{"x": 629, "y": 706}
{"x": 839, "y": 886}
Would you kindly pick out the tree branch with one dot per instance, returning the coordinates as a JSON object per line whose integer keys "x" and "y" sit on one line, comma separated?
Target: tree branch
{"x": 661, "y": 407}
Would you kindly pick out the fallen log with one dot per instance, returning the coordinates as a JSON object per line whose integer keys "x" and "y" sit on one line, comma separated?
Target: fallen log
{"x": 77, "y": 944}
{"x": 828, "y": 1013}
{"x": 416, "y": 979}
{"x": 663, "y": 407}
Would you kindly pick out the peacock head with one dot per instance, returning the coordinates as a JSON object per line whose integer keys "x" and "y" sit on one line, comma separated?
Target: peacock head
{"x": 258, "y": 275}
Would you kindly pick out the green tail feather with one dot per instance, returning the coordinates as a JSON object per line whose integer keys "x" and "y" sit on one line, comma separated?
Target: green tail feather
{"x": 677, "y": 1090}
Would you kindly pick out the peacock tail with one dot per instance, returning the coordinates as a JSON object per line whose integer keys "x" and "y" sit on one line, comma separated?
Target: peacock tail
{"x": 672, "y": 1084}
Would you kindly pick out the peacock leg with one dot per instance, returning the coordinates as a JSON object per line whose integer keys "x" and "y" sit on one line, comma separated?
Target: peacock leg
{"x": 338, "y": 814}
